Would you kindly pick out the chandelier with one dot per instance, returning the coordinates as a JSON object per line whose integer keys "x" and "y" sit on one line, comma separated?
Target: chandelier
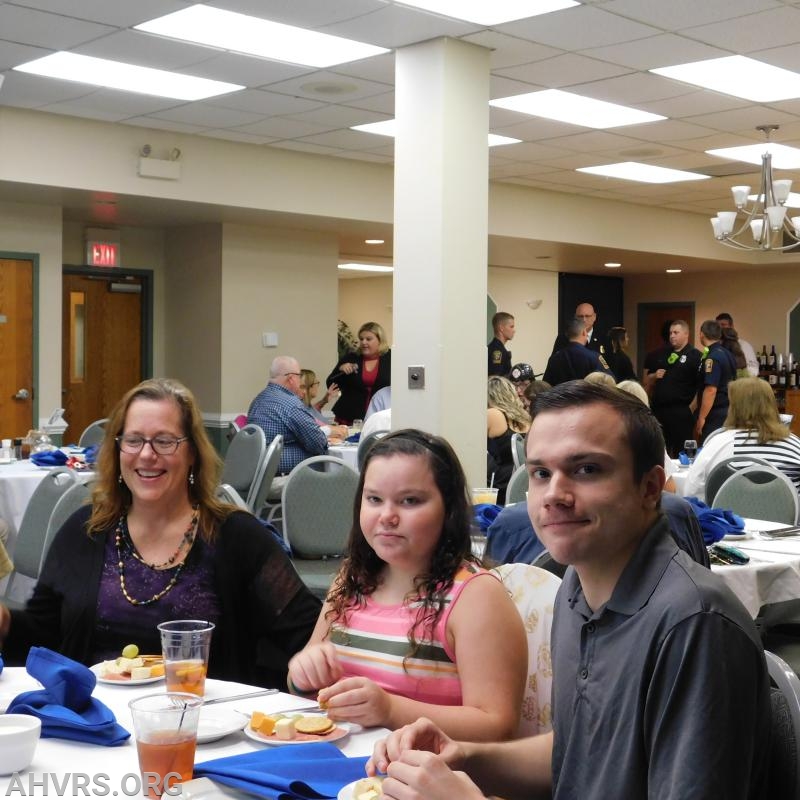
{"x": 760, "y": 219}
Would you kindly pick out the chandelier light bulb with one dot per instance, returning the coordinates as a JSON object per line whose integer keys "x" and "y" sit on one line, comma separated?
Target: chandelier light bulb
{"x": 740, "y": 194}
{"x": 776, "y": 215}
{"x": 757, "y": 227}
{"x": 727, "y": 219}
{"x": 796, "y": 225}
{"x": 781, "y": 190}
{"x": 717, "y": 226}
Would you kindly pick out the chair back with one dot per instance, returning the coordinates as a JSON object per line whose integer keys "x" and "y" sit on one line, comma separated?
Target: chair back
{"x": 266, "y": 474}
{"x": 29, "y": 548}
{"x": 364, "y": 445}
{"x": 546, "y": 562}
{"x": 75, "y": 497}
{"x": 517, "y": 486}
{"x": 784, "y": 772}
{"x": 518, "y": 449}
{"x": 724, "y": 469}
{"x": 243, "y": 459}
{"x": 533, "y": 591}
{"x": 228, "y": 494}
{"x": 762, "y": 492}
{"x": 93, "y": 433}
{"x": 318, "y": 506}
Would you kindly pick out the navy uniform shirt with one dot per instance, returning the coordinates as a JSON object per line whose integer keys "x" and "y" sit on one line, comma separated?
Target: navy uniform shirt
{"x": 499, "y": 358}
{"x": 717, "y": 369}
{"x": 596, "y": 343}
{"x": 679, "y": 384}
{"x": 572, "y": 362}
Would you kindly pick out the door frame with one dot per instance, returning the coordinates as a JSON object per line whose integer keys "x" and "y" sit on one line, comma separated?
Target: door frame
{"x": 146, "y": 276}
{"x": 34, "y": 259}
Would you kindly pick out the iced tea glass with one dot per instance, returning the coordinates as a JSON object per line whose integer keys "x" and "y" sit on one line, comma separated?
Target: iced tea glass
{"x": 165, "y": 727}
{"x": 185, "y": 644}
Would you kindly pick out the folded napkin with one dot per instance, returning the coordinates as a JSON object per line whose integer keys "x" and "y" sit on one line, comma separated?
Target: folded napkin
{"x": 715, "y": 523}
{"x": 295, "y": 772}
{"x": 50, "y": 458}
{"x": 90, "y": 454}
{"x": 65, "y": 705}
{"x": 485, "y": 514}
{"x": 354, "y": 439}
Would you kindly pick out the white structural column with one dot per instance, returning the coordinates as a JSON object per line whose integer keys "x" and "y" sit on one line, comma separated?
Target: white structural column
{"x": 440, "y": 244}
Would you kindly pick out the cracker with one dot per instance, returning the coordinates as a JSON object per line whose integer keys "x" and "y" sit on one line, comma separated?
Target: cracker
{"x": 314, "y": 725}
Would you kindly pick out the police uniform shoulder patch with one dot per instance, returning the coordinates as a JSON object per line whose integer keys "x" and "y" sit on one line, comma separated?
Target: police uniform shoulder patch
{"x": 604, "y": 362}
{"x": 497, "y": 357}
{"x": 709, "y": 365}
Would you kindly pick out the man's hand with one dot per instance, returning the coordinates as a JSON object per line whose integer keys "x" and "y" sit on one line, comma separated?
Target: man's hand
{"x": 424, "y": 776}
{"x": 420, "y": 735}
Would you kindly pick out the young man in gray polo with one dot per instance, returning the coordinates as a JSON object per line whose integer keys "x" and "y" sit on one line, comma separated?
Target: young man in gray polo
{"x": 660, "y": 688}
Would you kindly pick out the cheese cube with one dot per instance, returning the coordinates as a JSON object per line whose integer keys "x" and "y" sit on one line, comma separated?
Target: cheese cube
{"x": 140, "y": 673}
{"x": 109, "y": 668}
{"x": 284, "y": 729}
{"x": 370, "y": 794}
{"x": 266, "y": 726}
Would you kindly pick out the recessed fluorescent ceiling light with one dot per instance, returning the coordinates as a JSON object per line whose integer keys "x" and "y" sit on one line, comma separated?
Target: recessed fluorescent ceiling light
{"x": 388, "y": 126}
{"x": 573, "y": 108}
{"x": 783, "y": 157}
{"x": 255, "y": 36}
{"x": 672, "y": 271}
{"x": 128, "y": 77}
{"x": 366, "y": 267}
{"x": 490, "y": 13}
{"x": 644, "y": 173}
{"x": 374, "y": 241}
{"x": 738, "y": 76}
{"x": 612, "y": 264}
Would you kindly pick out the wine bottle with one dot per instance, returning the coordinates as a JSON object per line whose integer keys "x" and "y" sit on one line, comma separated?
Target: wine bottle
{"x": 772, "y": 359}
{"x": 762, "y": 358}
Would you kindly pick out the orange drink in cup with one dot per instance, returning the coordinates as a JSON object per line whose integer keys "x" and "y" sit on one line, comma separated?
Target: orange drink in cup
{"x": 165, "y": 726}
{"x": 185, "y": 644}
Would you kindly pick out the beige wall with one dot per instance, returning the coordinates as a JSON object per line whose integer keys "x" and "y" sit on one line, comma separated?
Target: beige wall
{"x": 367, "y": 300}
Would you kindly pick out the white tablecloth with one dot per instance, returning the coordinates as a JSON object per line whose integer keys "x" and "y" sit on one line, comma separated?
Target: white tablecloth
{"x": 347, "y": 452}
{"x": 63, "y": 758}
{"x": 773, "y": 573}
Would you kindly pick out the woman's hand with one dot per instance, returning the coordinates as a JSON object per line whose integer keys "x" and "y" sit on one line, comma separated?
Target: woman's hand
{"x": 420, "y": 735}
{"x": 333, "y": 390}
{"x": 357, "y": 700}
{"x": 348, "y": 368}
{"x": 314, "y": 667}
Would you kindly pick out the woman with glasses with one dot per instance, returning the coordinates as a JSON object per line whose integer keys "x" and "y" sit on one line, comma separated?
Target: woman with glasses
{"x": 309, "y": 384}
{"x": 156, "y": 544}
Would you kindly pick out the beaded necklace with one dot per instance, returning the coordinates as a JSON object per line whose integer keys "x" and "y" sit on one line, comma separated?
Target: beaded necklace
{"x": 125, "y": 547}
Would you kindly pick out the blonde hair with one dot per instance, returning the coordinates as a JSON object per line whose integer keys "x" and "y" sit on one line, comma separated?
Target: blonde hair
{"x": 307, "y": 380}
{"x": 111, "y": 497}
{"x": 636, "y": 389}
{"x": 753, "y": 408}
{"x": 502, "y": 395}
{"x": 380, "y": 335}
{"x": 600, "y": 378}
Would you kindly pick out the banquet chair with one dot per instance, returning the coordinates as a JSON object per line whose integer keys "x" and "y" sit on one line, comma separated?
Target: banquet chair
{"x": 93, "y": 433}
{"x": 546, "y": 562}
{"x": 228, "y": 494}
{"x": 761, "y": 492}
{"x": 365, "y": 443}
{"x": 724, "y": 469}
{"x": 30, "y": 545}
{"x": 533, "y": 591}
{"x": 76, "y": 496}
{"x": 262, "y": 483}
{"x": 517, "y": 486}
{"x": 784, "y": 772}
{"x": 518, "y": 449}
{"x": 317, "y": 505}
{"x": 244, "y": 458}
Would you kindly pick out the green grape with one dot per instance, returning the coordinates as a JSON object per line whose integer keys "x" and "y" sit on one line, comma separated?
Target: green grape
{"x": 130, "y": 651}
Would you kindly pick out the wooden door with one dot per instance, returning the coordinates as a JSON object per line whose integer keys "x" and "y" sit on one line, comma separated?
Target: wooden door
{"x": 102, "y": 346}
{"x": 16, "y": 348}
{"x": 652, "y": 319}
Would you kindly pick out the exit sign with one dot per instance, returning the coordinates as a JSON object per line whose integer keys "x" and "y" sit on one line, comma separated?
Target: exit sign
{"x": 102, "y": 254}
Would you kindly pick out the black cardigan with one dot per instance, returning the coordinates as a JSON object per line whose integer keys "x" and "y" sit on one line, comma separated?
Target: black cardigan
{"x": 353, "y": 402}
{"x": 266, "y": 612}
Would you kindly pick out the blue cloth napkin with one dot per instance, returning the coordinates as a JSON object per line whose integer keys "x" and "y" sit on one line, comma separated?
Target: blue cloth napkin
{"x": 50, "y": 458}
{"x": 485, "y": 514}
{"x": 295, "y": 772}
{"x": 354, "y": 438}
{"x": 715, "y": 523}
{"x": 90, "y": 454}
{"x": 65, "y": 705}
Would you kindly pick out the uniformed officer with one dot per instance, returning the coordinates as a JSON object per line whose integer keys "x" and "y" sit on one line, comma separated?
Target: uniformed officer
{"x": 575, "y": 360}
{"x": 586, "y": 313}
{"x": 499, "y": 357}
{"x": 675, "y": 387}
{"x": 717, "y": 369}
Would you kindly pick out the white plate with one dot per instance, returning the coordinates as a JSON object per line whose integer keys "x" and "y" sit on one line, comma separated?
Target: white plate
{"x": 341, "y": 730}
{"x": 124, "y": 681}
{"x": 216, "y": 723}
{"x": 346, "y": 792}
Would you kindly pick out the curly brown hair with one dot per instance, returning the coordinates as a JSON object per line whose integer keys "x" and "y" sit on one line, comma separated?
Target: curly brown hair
{"x": 361, "y": 569}
{"x": 111, "y": 498}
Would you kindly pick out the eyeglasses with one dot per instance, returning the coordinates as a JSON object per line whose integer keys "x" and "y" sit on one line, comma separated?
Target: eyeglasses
{"x": 163, "y": 445}
{"x": 316, "y": 383}
{"x": 287, "y": 374}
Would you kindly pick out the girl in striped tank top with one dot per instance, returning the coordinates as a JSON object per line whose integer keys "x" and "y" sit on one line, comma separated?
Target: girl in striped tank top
{"x": 413, "y": 626}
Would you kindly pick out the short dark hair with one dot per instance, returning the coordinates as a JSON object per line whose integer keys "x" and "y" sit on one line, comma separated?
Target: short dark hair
{"x": 726, "y": 316}
{"x": 712, "y": 330}
{"x": 574, "y": 329}
{"x": 643, "y": 430}
{"x": 501, "y": 318}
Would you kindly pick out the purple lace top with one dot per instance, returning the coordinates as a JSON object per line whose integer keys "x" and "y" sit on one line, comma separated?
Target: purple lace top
{"x": 192, "y": 597}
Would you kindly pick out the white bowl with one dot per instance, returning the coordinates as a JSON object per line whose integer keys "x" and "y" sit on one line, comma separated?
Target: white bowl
{"x": 19, "y": 735}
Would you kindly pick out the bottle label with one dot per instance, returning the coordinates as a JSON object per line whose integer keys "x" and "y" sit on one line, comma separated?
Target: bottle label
{"x": 771, "y": 361}
{"x": 773, "y": 379}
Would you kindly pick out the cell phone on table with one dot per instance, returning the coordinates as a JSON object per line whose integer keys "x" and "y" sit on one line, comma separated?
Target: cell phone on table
{"x": 728, "y": 554}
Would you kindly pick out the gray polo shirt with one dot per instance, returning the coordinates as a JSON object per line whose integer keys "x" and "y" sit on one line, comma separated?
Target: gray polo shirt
{"x": 661, "y": 693}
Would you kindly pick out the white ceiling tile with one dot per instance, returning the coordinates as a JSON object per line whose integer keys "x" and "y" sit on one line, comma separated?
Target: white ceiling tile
{"x": 509, "y": 51}
{"x": 755, "y": 32}
{"x": 655, "y": 51}
{"x": 262, "y": 102}
{"x": 669, "y": 130}
{"x": 146, "y": 50}
{"x": 162, "y": 125}
{"x": 787, "y": 57}
{"x": 379, "y": 103}
{"x": 118, "y": 105}
{"x": 120, "y": 14}
{"x": 500, "y": 86}
{"x": 307, "y": 85}
{"x": 343, "y": 139}
{"x": 245, "y": 70}
{"x": 304, "y": 147}
{"x": 378, "y": 68}
{"x": 531, "y": 151}
{"x": 365, "y": 156}
{"x": 739, "y": 119}
{"x": 561, "y": 71}
{"x": 31, "y": 91}
{"x": 695, "y": 102}
{"x": 206, "y": 115}
{"x": 338, "y": 116}
{"x": 237, "y": 136}
{"x": 304, "y": 13}
{"x": 29, "y": 26}
{"x": 532, "y": 129}
{"x": 632, "y": 89}
{"x": 13, "y": 54}
{"x": 282, "y": 128}
{"x": 578, "y": 28}
{"x": 675, "y": 15}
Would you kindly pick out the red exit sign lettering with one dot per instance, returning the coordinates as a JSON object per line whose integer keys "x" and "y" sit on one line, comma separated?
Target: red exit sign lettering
{"x": 103, "y": 254}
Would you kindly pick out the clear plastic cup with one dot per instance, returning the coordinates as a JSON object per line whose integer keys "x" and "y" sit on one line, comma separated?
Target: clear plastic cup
{"x": 186, "y": 644}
